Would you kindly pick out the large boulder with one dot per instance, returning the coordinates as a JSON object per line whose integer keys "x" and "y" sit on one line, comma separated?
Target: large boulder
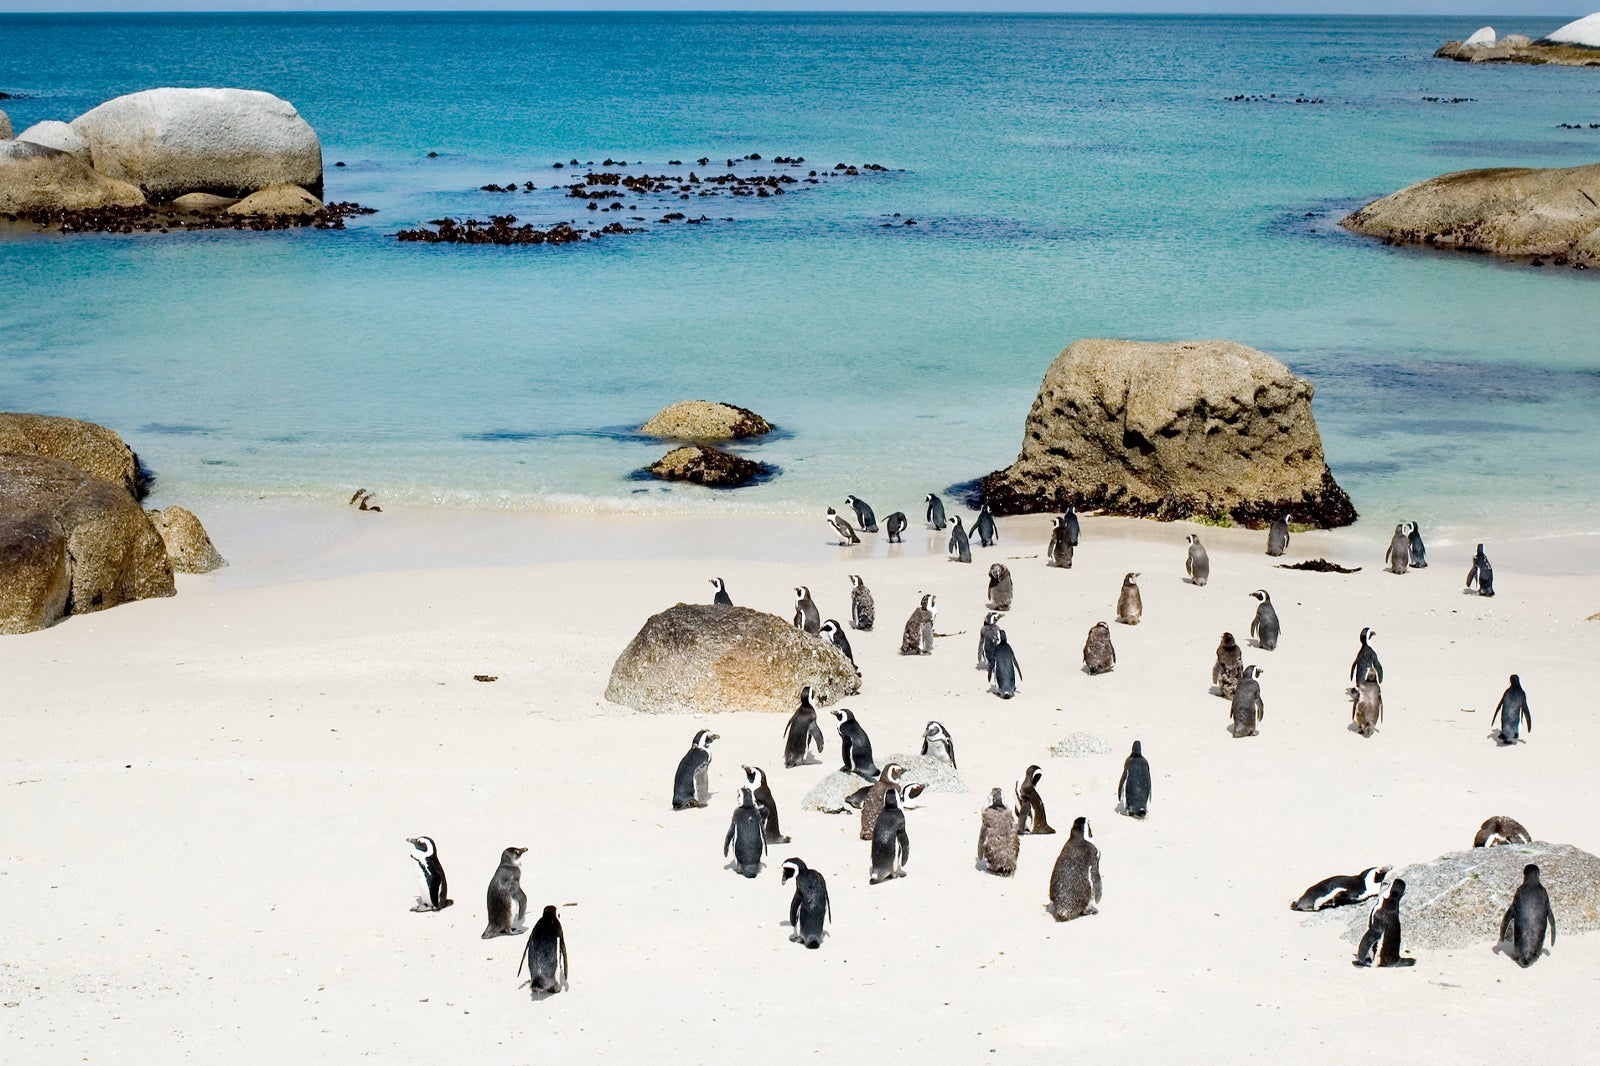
{"x": 60, "y": 136}
{"x": 87, "y": 446}
{"x": 1519, "y": 212}
{"x": 701, "y": 658}
{"x": 71, "y": 543}
{"x": 704, "y": 465}
{"x": 1171, "y": 430}
{"x": 187, "y": 543}
{"x": 1581, "y": 33}
{"x": 1484, "y": 38}
{"x": 705, "y": 420}
{"x": 226, "y": 141}
{"x": 34, "y": 177}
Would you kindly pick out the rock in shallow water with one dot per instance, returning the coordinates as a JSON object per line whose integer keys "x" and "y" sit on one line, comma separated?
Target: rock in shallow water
{"x": 707, "y": 466}
{"x": 90, "y": 447}
{"x": 35, "y": 177}
{"x": 705, "y": 420}
{"x": 188, "y": 545}
{"x": 277, "y": 200}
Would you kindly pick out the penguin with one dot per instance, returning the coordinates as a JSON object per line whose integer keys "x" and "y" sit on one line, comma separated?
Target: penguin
{"x": 435, "y": 889}
{"x": 997, "y": 837}
{"x": 1061, "y": 544}
{"x": 806, "y": 615}
{"x": 1383, "y": 930}
{"x": 1075, "y": 881}
{"x": 841, "y": 530}
{"x": 999, "y": 587}
{"x": 1030, "y": 807}
{"x": 908, "y": 795}
{"x": 937, "y": 743}
{"x": 1398, "y": 557}
{"x": 1419, "y": 551}
{"x": 917, "y": 639}
{"x": 833, "y": 632}
{"x": 1133, "y": 790}
{"x": 891, "y": 847}
{"x": 863, "y": 612}
{"x": 1481, "y": 574}
{"x": 721, "y": 599}
{"x": 959, "y": 548}
{"x": 1526, "y": 919}
{"x": 1342, "y": 890}
{"x": 1070, "y": 521}
{"x": 810, "y": 906}
{"x": 935, "y": 512}
{"x": 505, "y": 888}
{"x": 546, "y": 955}
{"x": 1512, "y": 711}
{"x": 1197, "y": 564}
{"x": 755, "y": 780}
{"x": 985, "y": 527}
{"x": 690, "y": 786}
{"x": 746, "y": 836}
{"x": 1278, "y": 536}
{"x": 1367, "y": 658}
{"x": 1500, "y": 830}
{"x": 1003, "y": 668}
{"x": 1264, "y": 627}
{"x": 802, "y": 731}
{"x": 1247, "y": 710}
{"x": 988, "y": 637}
{"x": 864, "y": 516}
{"x": 872, "y": 802}
{"x": 1130, "y": 605}
{"x": 895, "y": 524}
{"x": 1366, "y": 705}
{"x": 1229, "y": 667}
{"x": 1099, "y": 656}
{"x": 854, "y": 745}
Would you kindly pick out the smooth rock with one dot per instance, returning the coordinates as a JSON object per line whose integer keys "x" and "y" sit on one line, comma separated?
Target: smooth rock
{"x": 1584, "y": 33}
{"x": 278, "y": 200}
{"x": 188, "y": 545}
{"x": 34, "y": 178}
{"x": 203, "y": 202}
{"x": 226, "y": 141}
{"x": 700, "y": 658}
{"x": 1171, "y": 430}
{"x": 1482, "y": 39}
{"x": 708, "y": 466}
{"x": 5, "y": 126}
{"x": 87, "y": 446}
{"x": 60, "y": 136}
{"x": 705, "y": 420}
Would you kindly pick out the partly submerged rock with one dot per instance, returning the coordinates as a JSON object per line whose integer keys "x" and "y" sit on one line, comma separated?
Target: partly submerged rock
{"x": 188, "y": 545}
{"x": 204, "y": 201}
{"x": 701, "y": 658}
{"x": 276, "y": 201}
{"x": 1516, "y": 48}
{"x": 704, "y": 465}
{"x": 705, "y": 420}
{"x": 34, "y": 177}
{"x": 60, "y": 136}
{"x": 90, "y": 447}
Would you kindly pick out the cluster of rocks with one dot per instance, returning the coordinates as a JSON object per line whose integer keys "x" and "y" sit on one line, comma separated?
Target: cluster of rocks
{"x": 1449, "y": 99}
{"x": 73, "y": 537}
{"x": 1272, "y": 98}
{"x": 1577, "y": 44}
{"x": 187, "y": 213}
{"x": 503, "y": 229}
{"x": 702, "y": 422}
{"x": 1578, "y": 126}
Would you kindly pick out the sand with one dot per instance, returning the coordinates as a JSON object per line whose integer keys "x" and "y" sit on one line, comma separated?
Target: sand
{"x": 206, "y": 800}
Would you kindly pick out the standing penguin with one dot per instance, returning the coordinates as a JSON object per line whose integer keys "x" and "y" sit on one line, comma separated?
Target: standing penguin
{"x": 435, "y": 889}
{"x": 802, "y": 731}
{"x": 854, "y": 745}
{"x": 864, "y": 516}
{"x": 841, "y": 529}
{"x": 755, "y": 780}
{"x": 1512, "y": 711}
{"x": 1030, "y": 806}
{"x": 721, "y": 599}
{"x": 810, "y": 907}
{"x": 1481, "y": 574}
{"x": 917, "y": 639}
{"x": 1419, "y": 551}
{"x": 1398, "y": 557}
{"x": 935, "y": 511}
{"x": 1264, "y": 627}
{"x": 959, "y": 548}
{"x": 1061, "y": 544}
{"x": 1278, "y": 536}
{"x": 872, "y": 802}
{"x": 937, "y": 743}
{"x": 746, "y": 836}
{"x": 1099, "y": 656}
{"x": 1070, "y": 521}
{"x": 863, "y": 612}
{"x": 985, "y": 527}
{"x": 1075, "y": 881}
{"x": 546, "y": 954}
{"x": 833, "y": 632}
{"x": 1003, "y": 668}
{"x": 1366, "y": 704}
{"x": 1247, "y": 710}
{"x": 1383, "y": 930}
{"x": 806, "y": 615}
{"x": 999, "y": 587}
{"x": 1367, "y": 658}
{"x": 505, "y": 889}
{"x": 997, "y": 837}
{"x": 691, "y": 785}
{"x": 1130, "y": 605}
{"x": 1197, "y": 564}
{"x": 895, "y": 524}
{"x": 1229, "y": 667}
{"x": 1527, "y": 917}
{"x": 891, "y": 847}
{"x": 1133, "y": 790}
{"x": 988, "y": 637}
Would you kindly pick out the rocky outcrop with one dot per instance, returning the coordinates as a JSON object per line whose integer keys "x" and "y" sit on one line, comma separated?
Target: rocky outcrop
{"x": 1510, "y": 212}
{"x": 1579, "y": 33}
{"x": 1171, "y": 430}
{"x": 71, "y": 544}
{"x": 188, "y": 545}
{"x": 707, "y": 466}
{"x": 34, "y": 177}
{"x": 226, "y": 141}
{"x": 1515, "y": 48}
{"x": 700, "y": 658}
{"x": 61, "y": 137}
{"x": 91, "y": 448}
{"x": 705, "y": 420}
{"x": 279, "y": 200}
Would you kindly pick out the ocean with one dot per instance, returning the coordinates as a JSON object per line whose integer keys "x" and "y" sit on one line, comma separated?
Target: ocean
{"x": 1068, "y": 176}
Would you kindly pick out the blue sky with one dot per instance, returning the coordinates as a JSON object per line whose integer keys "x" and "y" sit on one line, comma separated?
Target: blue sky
{"x": 1499, "y": 8}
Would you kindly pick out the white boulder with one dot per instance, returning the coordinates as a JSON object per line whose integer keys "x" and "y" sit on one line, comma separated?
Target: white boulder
{"x": 1484, "y": 38}
{"x": 1585, "y": 33}
{"x": 61, "y": 137}
{"x": 34, "y": 177}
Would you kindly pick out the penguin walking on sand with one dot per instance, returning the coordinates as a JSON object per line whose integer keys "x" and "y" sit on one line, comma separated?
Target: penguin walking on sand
{"x": 1366, "y": 661}
{"x": 959, "y": 548}
{"x": 988, "y": 535}
{"x": 435, "y": 889}
{"x": 1099, "y": 657}
{"x": 1481, "y": 574}
{"x": 1130, "y": 605}
{"x": 997, "y": 837}
{"x": 1070, "y": 521}
{"x": 1061, "y": 545}
{"x": 1527, "y": 918}
{"x": 802, "y": 731}
{"x": 691, "y": 784}
{"x": 1247, "y": 710}
{"x": 1003, "y": 668}
{"x": 546, "y": 955}
{"x": 1383, "y": 930}
{"x": 1264, "y": 627}
{"x": 755, "y": 780}
{"x": 1398, "y": 557}
{"x": 936, "y": 518}
{"x": 854, "y": 745}
{"x": 1278, "y": 536}
{"x": 864, "y": 516}
{"x": 505, "y": 891}
{"x": 863, "y": 612}
{"x": 809, "y": 908}
{"x": 891, "y": 846}
{"x": 937, "y": 743}
{"x": 988, "y": 637}
{"x": 895, "y": 525}
{"x": 721, "y": 599}
{"x": 1133, "y": 789}
{"x": 1419, "y": 551}
{"x": 1197, "y": 564}
{"x": 1513, "y": 713}
{"x": 1000, "y": 590}
{"x": 833, "y": 633}
{"x": 1498, "y": 829}
{"x": 806, "y": 615}
{"x": 1031, "y": 819}
{"x": 843, "y": 532}
{"x": 1075, "y": 881}
{"x": 1229, "y": 667}
{"x": 746, "y": 836}
{"x": 1342, "y": 890}
{"x": 917, "y": 639}
{"x": 872, "y": 802}
{"x": 1366, "y": 704}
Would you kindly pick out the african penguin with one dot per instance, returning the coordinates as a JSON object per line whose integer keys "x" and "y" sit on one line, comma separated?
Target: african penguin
{"x": 810, "y": 907}
{"x": 1481, "y": 574}
{"x": 959, "y": 548}
{"x": 1070, "y": 520}
{"x": 1341, "y": 890}
{"x": 910, "y": 793}
{"x": 1383, "y": 930}
{"x": 999, "y": 587}
{"x": 1229, "y": 667}
{"x": 985, "y": 527}
{"x": 690, "y": 784}
{"x": 864, "y": 516}
{"x": 1075, "y": 881}
{"x": 937, "y": 743}
{"x": 806, "y": 615}
{"x": 1527, "y": 918}
{"x": 1419, "y": 551}
{"x": 1278, "y": 536}
{"x": 895, "y": 524}
{"x": 1031, "y": 819}
{"x": 1367, "y": 658}
{"x": 833, "y": 632}
{"x": 755, "y": 779}
{"x": 746, "y": 836}
{"x": 1133, "y": 790}
{"x": 854, "y": 745}
{"x": 988, "y": 637}
{"x": 1499, "y": 829}
{"x": 891, "y": 847}
{"x": 1264, "y": 627}
{"x": 935, "y": 512}
{"x": 917, "y": 639}
{"x": 802, "y": 731}
{"x": 1061, "y": 544}
{"x": 1512, "y": 711}
{"x": 1003, "y": 668}
{"x": 505, "y": 889}
{"x": 1247, "y": 710}
{"x": 721, "y": 599}
{"x": 1197, "y": 564}
{"x": 842, "y": 530}
{"x": 872, "y": 802}
{"x": 1130, "y": 605}
{"x": 1398, "y": 557}
{"x": 1099, "y": 656}
{"x": 997, "y": 837}
{"x": 1366, "y": 705}
{"x": 863, "y": 612}
{"x": 546, "y": 955}
{"x": 435, "y": 889}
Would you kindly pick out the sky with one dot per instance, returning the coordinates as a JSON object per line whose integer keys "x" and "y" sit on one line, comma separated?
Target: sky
{"x": 1298, "y": 7}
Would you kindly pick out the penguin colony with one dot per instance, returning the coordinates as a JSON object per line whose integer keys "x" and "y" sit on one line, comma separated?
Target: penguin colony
{"x": 1075, "y": 887}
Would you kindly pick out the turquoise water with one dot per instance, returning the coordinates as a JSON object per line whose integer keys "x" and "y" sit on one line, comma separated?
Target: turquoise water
{"x": 1070, "y": 177}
